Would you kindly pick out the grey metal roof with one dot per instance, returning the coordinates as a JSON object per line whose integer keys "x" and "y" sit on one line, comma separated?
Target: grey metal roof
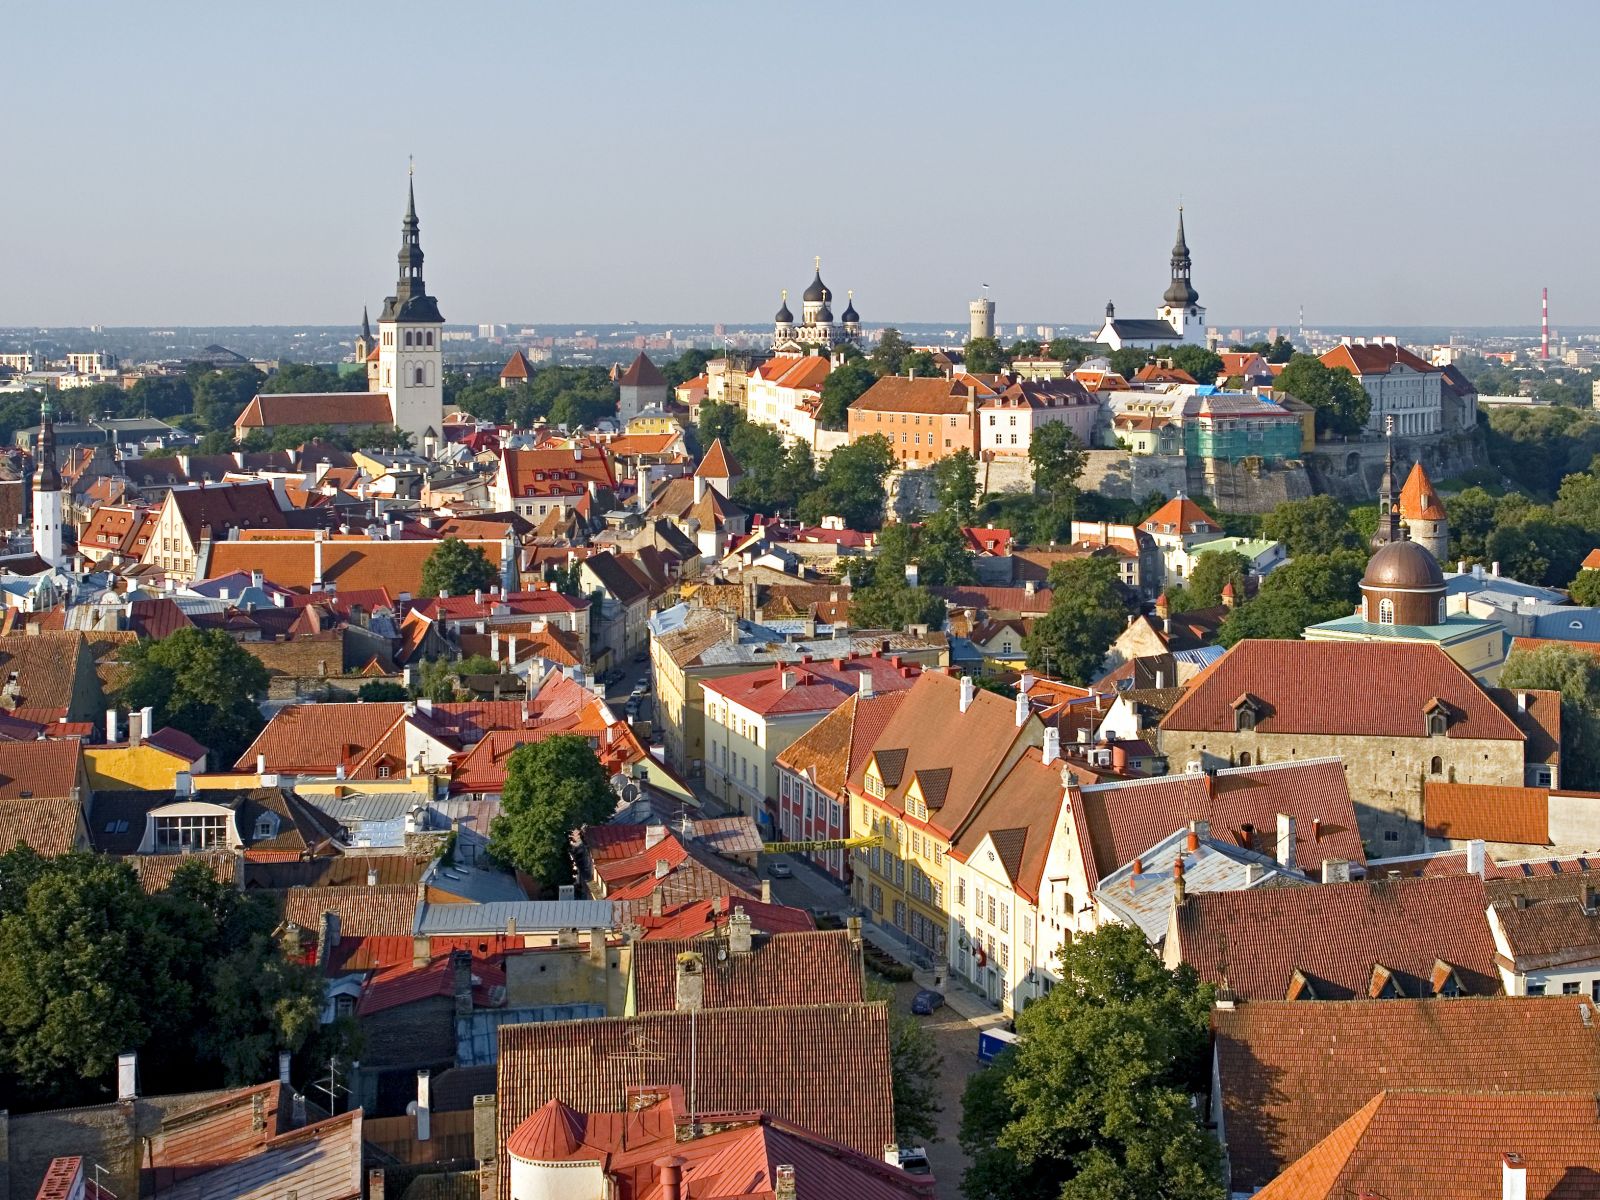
{"x": 530, "y": 916}
{"x": 367, "y": 806}
{"x": 478, "y": 1036}
{"x": 1144, "y": 330}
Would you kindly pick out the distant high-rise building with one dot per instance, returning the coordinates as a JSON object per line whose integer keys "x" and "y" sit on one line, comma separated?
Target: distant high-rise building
{"x": 981, "y": 314}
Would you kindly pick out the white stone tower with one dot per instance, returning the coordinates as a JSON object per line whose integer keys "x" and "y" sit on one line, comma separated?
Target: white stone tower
{"x": 982, "y": 315}
{"x": 410, "y": 350}
{"x": 48, "y": 514}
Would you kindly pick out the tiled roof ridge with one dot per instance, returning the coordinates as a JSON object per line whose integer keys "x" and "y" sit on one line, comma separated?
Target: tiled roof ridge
{"x": 1178, "y": 776}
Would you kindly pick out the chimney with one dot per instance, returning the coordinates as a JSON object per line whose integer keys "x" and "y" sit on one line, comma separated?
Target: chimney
{"x": 1286, "y": 851}
{"x": 691, "y": 982}
{"x": 699, "y": 488}
{"x": 283, "y": 1067}
{"x": 1316, "y": 829}
{"x": 147, "y": 718}
{"x": 1138, "y": 867}
{"x": 494, "y": 646}
{"x": 1335, "y": 870}
{"x": 1025, "y": 684}
{"x": 567, "y": 891}
{"x": 739, "y": 931}
{"x": 655, "y": 903}
{"x": 421, "y": 952}
{"x": 783, "y": 1183}
{"x": 127, "y": 1077}
{"x": 423, "y": 1107}
{"x": 183, "y": 784}
{"x": 111, "y": 725}
{"x": 261, "y": 764}
{"x": 789, "y": 679}
{"x": 1522, "y": 702}
{"x": 461, "y": 981}
{"x": 663, "y": 868}
{"x": 1022, "y": 710}
{"x": 1513, "y": 1177}
{"x": 653, "y": 835}
{"x": 1494, "y": 569}
{"x": 967, "y": 693}
{"x": 485, "y": 1129}
{"x": 1191, "y": 843}
{"x": 1052, "y": 744}
{"x": 376, "y": 1188}
{"x": 1475, "y": 857}
{"x": 316, "y": 561}
{"x": 372, "y": 876}
{"x": 297, "y": 1110}
{"x": 669, "y": 1173}
{"x": 597, "y": 947}
{"x": 1179, "y": 892}
{"x": 864, "y": 684}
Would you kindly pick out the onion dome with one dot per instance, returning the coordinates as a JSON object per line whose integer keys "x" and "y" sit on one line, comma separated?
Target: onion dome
{"x": 850, "y": 316}
{"x": 784, "y": 317}
{"x": 818, "y": 290}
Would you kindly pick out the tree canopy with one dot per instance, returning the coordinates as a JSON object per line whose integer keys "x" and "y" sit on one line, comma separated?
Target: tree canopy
{"x": 1213, "y": 571}
{"x": 1057, "y": 460}
{"x": 1315, "y": 525}
{"x": 204, "y": 683}
{"x": 553, "y": 788}
{"x": 1306, "y": 591}
{"x": 1094, "y": 1101}
{"x": 457, "y": 569}
{"x": 1576, "y": 675}
{"x": 955, "y": 478}
{"x": 844, "y": 385}
{"x": 983, "y": 356}
{"x": 1087, "y": 611}
{"x": 851, "y": 484}
{"x": 1341, "y": 403}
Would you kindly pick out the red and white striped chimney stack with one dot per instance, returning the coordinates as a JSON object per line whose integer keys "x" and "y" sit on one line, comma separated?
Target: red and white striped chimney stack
{"x": 1544, "y": 328}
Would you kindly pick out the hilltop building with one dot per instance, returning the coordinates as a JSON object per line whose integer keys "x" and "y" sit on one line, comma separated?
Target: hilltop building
{"x": 1180, "y": 318}
{"x": 816, "y": 330}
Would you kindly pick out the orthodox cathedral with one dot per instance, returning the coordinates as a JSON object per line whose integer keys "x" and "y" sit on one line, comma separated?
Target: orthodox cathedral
{"x": 816, "y": 331}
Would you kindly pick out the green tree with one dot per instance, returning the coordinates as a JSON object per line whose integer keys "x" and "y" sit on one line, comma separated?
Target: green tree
{"x": 922, "y": 364}
{"x": 685, "y": 367}
{"x": 1214, "y": 570}
{"x": 1471, "y": 514}
{"x": 983, "y": 356}
{"x": 1576, "y": 675}
{"x": 553, "y": 788}
{"x": 436, "y": 681}
{"x": 851, "y": 484}
{"x": 955, "y": 478}
{"x": 1538, "y": 447}
{"x": 381, "y": 691}
{"x": 1070, "y": 349}
{"x": 1341, "y": 403}
{"x": 914, "y": 1063}
{"x": 717, "y": 420}
{"x": 1535, "y": 546}
{"x": 844, "y": 385}
{"x": 1316, "y": 525}
{"x": 892, "y": 603}
{"x": 312, "y": 377}
{"x": 1585, "y": 588}
{"x": 161, "y": 396}
{"x": 888, "y": 356}
{"x": 1127, "y": 361}
{"x": 84, "y": 974}
{"x": 1057, "y": 459}
{"x": 1023, "y": 348}
{"x": 1311, "y": 589}
{"x": 202, "y": 682}
{"x": 774, "y": 477}
{"x": 1087, "y": 612}
{"x": 455, "y": 569}
{"x": 220, "y": 396}
{"x": 1094, "y": 1101}
{"x": 1578, "y": 501}
{"x": 1202, "y": 365}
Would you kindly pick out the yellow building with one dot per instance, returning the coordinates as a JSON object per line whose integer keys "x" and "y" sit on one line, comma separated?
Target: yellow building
{"x": 937, "y": 761}
{"x": 654, "y": 421}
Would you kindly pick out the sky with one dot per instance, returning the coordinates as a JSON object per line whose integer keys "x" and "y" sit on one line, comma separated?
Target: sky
{"x": 1394, "y": 163}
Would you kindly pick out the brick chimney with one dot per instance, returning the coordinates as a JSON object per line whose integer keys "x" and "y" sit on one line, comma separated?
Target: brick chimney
{"x": 653, "y": 834}
{"x": 1179, "y": 891}
{"x": 739, "y": 932}
{"x": 485, "y": 1129}
{"x": 690, "y": 990}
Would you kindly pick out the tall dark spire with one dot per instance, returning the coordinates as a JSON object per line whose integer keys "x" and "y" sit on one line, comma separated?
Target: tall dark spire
{"x": 366, "y": 325}
{"x": 1180, "y": 292}
{"x": 1388, "y": 503}
{"x": 46, "y": 477}
{"x": 411, "y": 301}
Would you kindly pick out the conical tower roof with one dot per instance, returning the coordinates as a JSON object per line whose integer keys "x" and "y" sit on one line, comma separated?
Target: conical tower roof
{"x": 1418, "y": 499}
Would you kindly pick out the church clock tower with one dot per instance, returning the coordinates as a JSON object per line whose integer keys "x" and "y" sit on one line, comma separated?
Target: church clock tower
{"x": 48, "y": 516}
{"x": 410, "y": 356}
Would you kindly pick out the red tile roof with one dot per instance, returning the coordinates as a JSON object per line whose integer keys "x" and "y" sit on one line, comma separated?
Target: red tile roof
{"x": 1375, "y": 359}
{"x": 1397, "y": 681}
{"x": 39, "y": 769}
{"x": 1418, "y": 499}
{"x": 786, "y": 689}
{"x": 718, "y": 463}
{"x": 699, "y": 918}
{"x": 1417, "y": 1145}
{"x": 1460, "y": 812}
{"x": 1181, "y": 515}
{"x": 350, "y": 564}
{"x": 933, "y": 394}
{"x": 216, "y": 508}
{"x": 789, "y": 968}
{"x": 1117, "y": 822}
{"x": 269, "y": 411}
{"x": 793, "y": 1063}
{"x": 556, "y": 471}
{"x": 642, "y": 373}
{"x": 385, "y": 910}
{"x": 1291, "y": 1072}
{"x": 517, "y": 367}
{"x": 1335, "y": 935}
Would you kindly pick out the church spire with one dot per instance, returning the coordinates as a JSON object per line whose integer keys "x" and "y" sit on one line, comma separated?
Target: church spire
{"x": 366, "y": 325}
{"x": 1388, "y": 505}
{"x": 411, "y": 301}
{"x": 1180, "y": 292}
{"x": 46, "y": 477}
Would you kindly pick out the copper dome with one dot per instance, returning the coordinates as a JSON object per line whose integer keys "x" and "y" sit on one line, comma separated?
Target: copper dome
{"x": 1403, "y": 565}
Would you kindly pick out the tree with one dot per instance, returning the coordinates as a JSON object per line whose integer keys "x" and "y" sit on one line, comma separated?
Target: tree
{"x": 851, "y": 484}
{"x": 1086, "y": 614}
{"x": 844, "y": 385}
{"x": 955, "y": 478}
{"x": 1471, "y": 514}
{"x": 1057, "y": 459}
{"x": 888, "y": 356}
{"x": 1578, "y": 501}
{"x": 1538, "y": 447}
{"x": 1341, "y": 403}
{"x": 1307, "y": 591}
{"x": 1576, "y": 675}
{"x": 1097, "y": 1091}
{"x": 1070, "y": 349}
{"x": 1315, "y": 525}
{"x": 1023, "y": 348}
{"x": 685, "y": 367}
{"x": 553, "y": 788}
{"x": 774, "y": 477}
{"x": 717, "y": 420}
{"x": 455, "y": 569}
{"x": 1127, "y": 361}
{"x": 892, "y": 603}
{"x": 381, "y": 691}
{"x": 1213, "y": 571}
{"x": 1202, "y": 365}
{"x": 202, "y": 682}
{"x": 161, "y": 396}
{"x": 436, "y": 681}
{"x": 983, "y": 356}
{"x": 914, "y": 1062}
{"x": 1535, "y": 546}
{"x": 83, "y": 974}
{"x": 922, "y": 364}
{"x": 312, "y": 377}
{"x": 1585, "y": 588}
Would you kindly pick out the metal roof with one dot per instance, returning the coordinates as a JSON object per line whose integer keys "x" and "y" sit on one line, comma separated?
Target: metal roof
{"x": 530, "y": 916}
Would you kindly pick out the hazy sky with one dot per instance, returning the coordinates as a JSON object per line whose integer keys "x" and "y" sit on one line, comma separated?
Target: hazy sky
{"x": 1383, "y": 163}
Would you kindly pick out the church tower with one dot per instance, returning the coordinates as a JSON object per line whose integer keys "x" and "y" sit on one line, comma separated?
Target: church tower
{"x": 1388, "y": 530}
{"x": 1423, "y": 514}
{"x": 1180, "y": 304}
{"x": 410, "y": 354}
{"x": 366, "y": 351}
{"x": 48, "y": 512}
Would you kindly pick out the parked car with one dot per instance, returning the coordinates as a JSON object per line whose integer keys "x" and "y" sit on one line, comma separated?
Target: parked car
{"x": 925, "y": 1001}
{"x": 914, "y": 1161}
{"x": 642, "y": 656}
{"x": 780, "y": 870}
{"x": 637, "y": 693}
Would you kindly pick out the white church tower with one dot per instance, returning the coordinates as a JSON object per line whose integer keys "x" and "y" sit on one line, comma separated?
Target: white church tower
{"x": 410, "y": 353}
{"x": 48, "y": 513}
{"x": 1180, "y": 304}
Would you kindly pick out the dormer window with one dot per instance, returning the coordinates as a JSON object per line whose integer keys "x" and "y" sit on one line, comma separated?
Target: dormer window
{"x": 1246, "y": 711}
{"x": 266, "y": 827}
{"x": 1438, "y": 724}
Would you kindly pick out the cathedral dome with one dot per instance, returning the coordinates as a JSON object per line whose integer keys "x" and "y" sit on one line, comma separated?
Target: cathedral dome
{"x": 784, "y": 317}
{"x": 818, "y": 290}
{"x": 1181, "y": 294}
{"x": 1403, "y": 565}
{"x": 850, "y": 316}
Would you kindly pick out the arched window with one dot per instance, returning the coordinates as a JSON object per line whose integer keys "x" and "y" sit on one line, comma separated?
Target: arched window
{"x": 1436, "y": 765}
{"x": 430, "y": 337}
{"x": 420, "y": 376}
{"x": 1244, "y": 719}
{"x": 1244, "y": 759}
{"x": 1441, "y": 610}
{"x": 1436, "y": 724}
{"x": 408, "y": 338}
{"x": 1385, "y": 612}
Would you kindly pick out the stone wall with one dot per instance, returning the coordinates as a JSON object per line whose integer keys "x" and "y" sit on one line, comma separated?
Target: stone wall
{"x": 1352, "y": 471}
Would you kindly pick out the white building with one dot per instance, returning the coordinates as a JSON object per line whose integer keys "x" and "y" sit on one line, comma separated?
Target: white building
{"x": 1399, "y": 383}
{"x": 410, "y": 367}
{"x": 1180, "y": 318}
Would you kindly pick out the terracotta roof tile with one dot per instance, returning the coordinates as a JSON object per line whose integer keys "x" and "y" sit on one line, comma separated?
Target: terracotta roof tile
{"x": 1460, "y": 812}
{"x": 1290, "y": 1072}
{"x": 701, "y": 918}
{"x": 269, "y": 411}
{"x": 934, "y": 394}
{"x": 642, "y": 373}
{"x": 787, "y": 968}
{"x": 363, "y": 911}
{"x": 1335, "y": 934}
{"x": 1181, "y": 515}
{"x": 354, "y": 564}
{"x": 1548, "y": 921}
{"x": 1375, "y": 359}
{"x": 1418, "y": 499}
{"x": 718, "y": 463}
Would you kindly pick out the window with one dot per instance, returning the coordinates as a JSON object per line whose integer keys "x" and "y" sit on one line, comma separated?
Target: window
{"x": 383, "y": 771}
{"x": 1005, "y": 918}
{"x": 1536, "y": 989}
{"x": 992, "y": 908}
{"x": 1569, "y": 989}
{"x": 191, "y": 832}
{"x": 874, "y": 785}
{"x": 961, "y": 902}
{"x": 1385, "y": 612}
{"x": 419, "y": 377}
{"x": 408, "y": 339}
{"x": 266, "y": 826}
{"x": 344, "y": 1006}
{"x": 1244, "y": 719}
{"x": 1436, "y": 765}
{"x": 1436, "y": 724}
{"x": 1390, "y": 835}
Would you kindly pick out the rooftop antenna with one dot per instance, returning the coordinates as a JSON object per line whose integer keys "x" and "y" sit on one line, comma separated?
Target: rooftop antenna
{"x": 332, "y": 1087}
